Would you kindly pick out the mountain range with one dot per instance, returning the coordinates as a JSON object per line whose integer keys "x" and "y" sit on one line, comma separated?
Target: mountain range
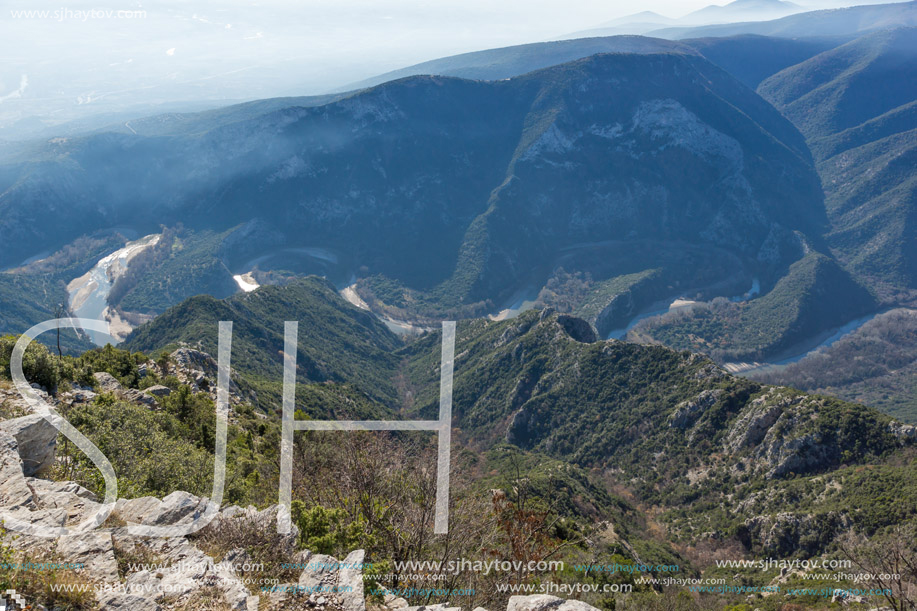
{"x": 736, "y": 11}
{"x": 545, "y": 384}
{"x": 682, "y": 149}
{"x": 851, "y": 21}
{"x": 609, "y": 178}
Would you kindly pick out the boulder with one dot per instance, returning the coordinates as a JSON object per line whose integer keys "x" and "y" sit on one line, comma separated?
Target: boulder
{"x": 36, "y": 439}
{"x": 14, "y": 492}
{"x": 158, "y": 391}
{"x": 107, "y": 382}
{"x": 320, "y": 571}
{"x": 545, "y": 602}
{"x": 135, "y": 396}
{"x": 178, "y": 507}
{"x": 350, "y": 582}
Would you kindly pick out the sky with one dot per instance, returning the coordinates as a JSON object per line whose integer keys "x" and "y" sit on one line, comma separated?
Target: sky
{"x": 62, "y": 60}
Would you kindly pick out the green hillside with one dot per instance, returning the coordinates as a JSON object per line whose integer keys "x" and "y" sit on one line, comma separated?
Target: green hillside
{"x": 338, "y": 343}
{"x": 855, "y": 104}
{"x": 635, "y": 454}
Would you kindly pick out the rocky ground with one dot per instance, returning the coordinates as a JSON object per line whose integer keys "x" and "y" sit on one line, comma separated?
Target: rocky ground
{"x": 210, "y": 569}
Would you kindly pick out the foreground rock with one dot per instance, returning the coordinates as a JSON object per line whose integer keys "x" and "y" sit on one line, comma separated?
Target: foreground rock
{"x": 545, "y": 602}
{"x": 36, "y": 440}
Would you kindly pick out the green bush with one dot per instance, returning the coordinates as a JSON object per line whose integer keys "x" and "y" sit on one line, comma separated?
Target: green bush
{"x": 326, "y": 531}
{"x": 38, "y": 365}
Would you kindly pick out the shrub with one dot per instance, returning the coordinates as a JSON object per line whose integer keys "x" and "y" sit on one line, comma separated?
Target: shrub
{"x": 38, "y": 365}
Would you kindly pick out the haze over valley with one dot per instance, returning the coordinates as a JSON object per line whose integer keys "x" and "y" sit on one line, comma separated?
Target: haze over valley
{"x": 679, "y": 247}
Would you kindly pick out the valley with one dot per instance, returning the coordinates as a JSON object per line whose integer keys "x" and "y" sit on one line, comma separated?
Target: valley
{"x": 681, "y": 258}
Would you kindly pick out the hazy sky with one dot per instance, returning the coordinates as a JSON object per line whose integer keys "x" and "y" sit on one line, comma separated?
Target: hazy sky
{"x": 67, "y": 58}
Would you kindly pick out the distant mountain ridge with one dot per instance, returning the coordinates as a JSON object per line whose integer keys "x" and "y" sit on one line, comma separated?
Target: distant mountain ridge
{"x": 831, "y": 22}
{"x": 736, "y": 11}
{"x": 450, "y": 188}
{"x": 507, "y": 62}
{"x": 752, "y": 58}
{"x": 743, "y": 10}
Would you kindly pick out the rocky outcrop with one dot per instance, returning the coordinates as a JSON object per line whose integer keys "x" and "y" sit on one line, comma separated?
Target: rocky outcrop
{"x": 14, "y": 493}
{"x": 805, "y": 454}
{"x": 95, "y": 551}
{"x": 198, "y": 370}
{"x": 176, "y": 569}
{"x": 688, "y": 412}
{"x": 36, "y": 439}
{"x": 904, "y": 433}
{"x": 577, "y": 328}
{"x": 107, "y": 383}
{"x": 158, "y": 390}
{"x": 785, "y": 534}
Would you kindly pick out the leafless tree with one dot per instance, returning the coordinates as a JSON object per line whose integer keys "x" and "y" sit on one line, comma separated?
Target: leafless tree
{"x": 889, "y": 562}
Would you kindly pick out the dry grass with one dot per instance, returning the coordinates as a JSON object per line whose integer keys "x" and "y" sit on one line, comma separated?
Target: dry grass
{"x": 128, "y": 553}
{"x": 265, "y": 548}
{"x": 205, "y": 599}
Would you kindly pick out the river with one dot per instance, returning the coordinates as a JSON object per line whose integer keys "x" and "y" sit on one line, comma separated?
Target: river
{"x": 804, "y": 349}
{"x": 88, "y": 294}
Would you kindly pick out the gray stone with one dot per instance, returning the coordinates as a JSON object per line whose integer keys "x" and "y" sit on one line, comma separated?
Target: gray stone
{"x": 158, "y": 391}
{"x": 319, "y": 570}
{"x": 395, "y": 602}
{"x": 82, "y": 396}
{"x": 127, "y": 602}
{"x": 178, "y": 507}
{"x": 350, "y": 582}
{"x": 95, "y": 551}
{"x": 107, "y": 382}
{"x": 135, "y": 396}
{"x": 36, "y": 439}
{"x": 14, "y": 492}
{"x": 136, "y": 510}
{"x": 545, "y": 602}
{"x": 78, "y": 503}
